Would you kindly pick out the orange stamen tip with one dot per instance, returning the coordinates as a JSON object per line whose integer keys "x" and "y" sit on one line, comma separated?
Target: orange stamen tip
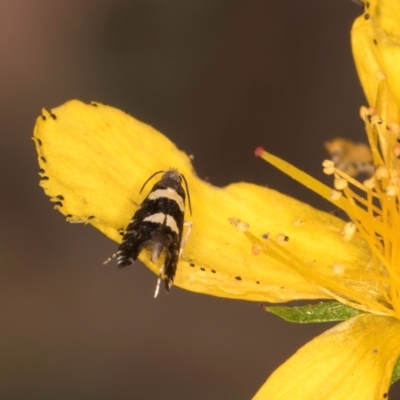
{"x": 258, "y": 151}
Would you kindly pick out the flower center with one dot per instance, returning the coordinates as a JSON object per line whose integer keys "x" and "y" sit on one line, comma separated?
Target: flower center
{"x": 373, "y": 209}
{"x": 375, "y": 204}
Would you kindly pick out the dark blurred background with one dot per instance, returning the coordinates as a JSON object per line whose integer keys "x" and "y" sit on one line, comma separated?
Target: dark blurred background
{"x": 218, "y": 77}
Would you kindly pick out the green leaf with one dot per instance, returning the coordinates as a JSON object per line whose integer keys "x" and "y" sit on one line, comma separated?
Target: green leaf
{"x": 322, "y": 312}
{"x": 396, "y": 372}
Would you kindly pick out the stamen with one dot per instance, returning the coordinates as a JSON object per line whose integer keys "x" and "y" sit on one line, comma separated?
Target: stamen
{"x": 373, "y": 208}
{"x": 332, "y": 287}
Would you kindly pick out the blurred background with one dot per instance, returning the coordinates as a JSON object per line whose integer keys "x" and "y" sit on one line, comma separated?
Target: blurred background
{"x": 219, "y": 78}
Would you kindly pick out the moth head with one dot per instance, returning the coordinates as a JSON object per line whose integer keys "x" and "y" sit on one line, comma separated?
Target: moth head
{"x": 174, "y": 174}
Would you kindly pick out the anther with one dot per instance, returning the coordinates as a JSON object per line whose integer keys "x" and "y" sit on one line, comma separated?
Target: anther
{"x": 238, "y": 224}
{"x": 392, "y": 190}
{"x": 381, "y": 173}
{"x": 340, "y": 183}
{"x": 349, "y": 230}
{"x": 370, "y": 183}
{"x": 338, "y": 269}
{"x": 335, "y": 195}
{"x": 376, "y": 120}
{"x": 328, "y": 167}
{"x": 396, "y": 151}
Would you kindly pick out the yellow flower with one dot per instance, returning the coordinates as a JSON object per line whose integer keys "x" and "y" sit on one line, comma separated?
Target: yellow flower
{"x": 94, "y": 159}
{"x": 341, "y": 363}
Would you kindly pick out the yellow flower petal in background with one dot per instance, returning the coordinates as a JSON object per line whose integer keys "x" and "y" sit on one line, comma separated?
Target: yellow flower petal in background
{"x": 94, "y": 159}
{"x": 375, "y": 39}
{"x": 352, "y": 361}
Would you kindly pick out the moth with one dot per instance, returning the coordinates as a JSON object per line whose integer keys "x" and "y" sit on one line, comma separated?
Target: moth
{"x": 157, "y": 225}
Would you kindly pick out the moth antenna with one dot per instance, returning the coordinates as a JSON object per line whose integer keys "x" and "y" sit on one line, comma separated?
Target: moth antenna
{"x": 188, "y": 194}
{"x": 151, "y": 177}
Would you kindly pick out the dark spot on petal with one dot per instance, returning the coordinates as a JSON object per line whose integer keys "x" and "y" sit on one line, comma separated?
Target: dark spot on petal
{"x": 52, "y": 115}
{"x": 202, "y": 268}
{"x": 385, "y": 395}
{"x": 366, "y": 16}
{"x": 192, "y": 265}
{"x": 44, "y": 178}
{"x": 265, "y": 236}
{"x": 213, "y": 271}
{"x": 41, "y": 171}
{"x": 39, "y": 142}
{"x": 286, "y": 238}
{"x": 367, "y": 4}
{"x": 93, "y": 104}
{"x": 43, "y": 118}
{"x": 257, "y": 282}
{"x": 59, "y": 197}
{"x": 58, "y": 203}
{"x": 375, "y": 42}
{"x": 43, "y": 159}
{"x": 69, "y": 216}
{"x": 90, "y": 217}
{"x": 238, "y": 278}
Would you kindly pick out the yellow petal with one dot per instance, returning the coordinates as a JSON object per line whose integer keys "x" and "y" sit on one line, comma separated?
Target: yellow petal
{"x": 375, "y": 41}
{"x": 353, "y": 360}
{"x": 385, "y": 21}
{"x": 94, "y": 159}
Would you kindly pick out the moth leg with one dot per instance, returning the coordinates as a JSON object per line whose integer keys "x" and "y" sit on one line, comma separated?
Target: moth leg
{"x": 110, "y": 258}
{"x": 158, "y": 282}
{"x": 189, "y": 225}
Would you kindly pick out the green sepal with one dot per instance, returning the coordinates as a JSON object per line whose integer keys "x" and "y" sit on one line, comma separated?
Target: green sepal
{"x": 396, "y": 372}
{"x": 328, "y": 311}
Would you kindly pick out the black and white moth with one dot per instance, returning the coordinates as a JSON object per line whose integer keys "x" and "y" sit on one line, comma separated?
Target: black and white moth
{"x": 158, "y": 226}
